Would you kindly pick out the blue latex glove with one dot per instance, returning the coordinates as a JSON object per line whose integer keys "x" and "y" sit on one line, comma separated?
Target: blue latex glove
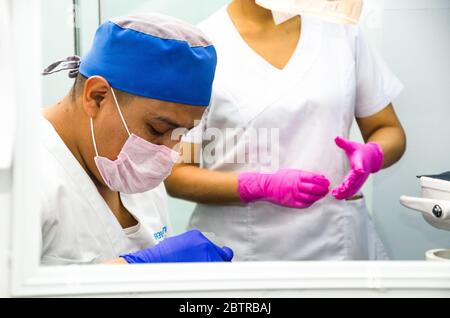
{"x": 188, "y": 247}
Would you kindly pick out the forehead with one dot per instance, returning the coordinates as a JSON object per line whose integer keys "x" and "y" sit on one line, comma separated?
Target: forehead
{"x": 154, "y": 109}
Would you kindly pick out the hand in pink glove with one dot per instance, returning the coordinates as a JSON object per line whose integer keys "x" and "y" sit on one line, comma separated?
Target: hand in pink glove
{"x": 364, "y": 160}
{"x": 290, "y": 188}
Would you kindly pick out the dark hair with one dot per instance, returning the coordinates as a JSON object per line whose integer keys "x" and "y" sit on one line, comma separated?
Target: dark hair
{"x": 77, "y": 89}
{"x": 78, "y": 86}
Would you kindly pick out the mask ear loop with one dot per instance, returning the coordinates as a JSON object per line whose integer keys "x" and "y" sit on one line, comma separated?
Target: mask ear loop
{"x": 120, "y": 112}
{"x": 93, "y": 137}
{"x": 121, "y": 117}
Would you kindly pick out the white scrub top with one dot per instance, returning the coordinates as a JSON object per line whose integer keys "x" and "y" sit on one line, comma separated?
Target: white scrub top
{"x": 332, "y": 77}
{"x": 77, "y": 225}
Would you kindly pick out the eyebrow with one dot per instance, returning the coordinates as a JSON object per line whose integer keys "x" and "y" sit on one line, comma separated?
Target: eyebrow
{"x": 168, "y": 121}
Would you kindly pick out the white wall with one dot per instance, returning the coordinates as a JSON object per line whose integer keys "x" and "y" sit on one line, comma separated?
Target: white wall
{"x": 58, "y": 39}
{"x": 193, "y": 11}
{"x": 416, "y": 44}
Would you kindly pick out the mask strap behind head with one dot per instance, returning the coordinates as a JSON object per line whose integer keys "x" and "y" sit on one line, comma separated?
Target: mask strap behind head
{"x": 71, "y": 64}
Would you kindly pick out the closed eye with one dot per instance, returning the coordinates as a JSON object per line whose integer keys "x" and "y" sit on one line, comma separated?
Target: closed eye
{"x": 156, "y": 132}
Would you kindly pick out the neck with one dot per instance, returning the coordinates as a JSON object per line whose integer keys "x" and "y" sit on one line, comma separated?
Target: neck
{"x": 69, "y": 124}
{"x": 249, "y": 10}
{"x": 65, "y": 119}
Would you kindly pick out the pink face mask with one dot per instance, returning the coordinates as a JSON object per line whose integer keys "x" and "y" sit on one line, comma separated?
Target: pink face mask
{"x": 141, "y": 166}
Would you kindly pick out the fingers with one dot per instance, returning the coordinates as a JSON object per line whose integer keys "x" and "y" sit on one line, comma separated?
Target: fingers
{"x": 314, "y": 178}
{"x": 352, "y": 183}
{"x": 301, "y": 205}
{"x": 319, "y": 190}
{"x": 307, "y": 194}
{"x": 228, "y": 252}
{"x": 344, "y": 144}
{"x": 310, "y": 189}
{"x": 225, "y": 252}
{"x": 307, "y": 198}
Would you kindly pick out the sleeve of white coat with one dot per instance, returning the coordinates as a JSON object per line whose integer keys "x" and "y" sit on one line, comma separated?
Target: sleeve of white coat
{"x": 376, "y": 84}
{"x": 195, "y": 135}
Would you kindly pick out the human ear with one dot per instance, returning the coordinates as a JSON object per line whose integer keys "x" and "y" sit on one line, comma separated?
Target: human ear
{"x": 95, "y": 91}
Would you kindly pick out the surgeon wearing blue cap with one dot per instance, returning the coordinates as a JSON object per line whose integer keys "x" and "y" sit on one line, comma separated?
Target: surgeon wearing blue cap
{"x": 107, "y": 146}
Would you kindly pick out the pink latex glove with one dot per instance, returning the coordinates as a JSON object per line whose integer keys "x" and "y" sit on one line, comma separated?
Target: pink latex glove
{"x": 364, "y": 160}
{"x": 290, "y": 188}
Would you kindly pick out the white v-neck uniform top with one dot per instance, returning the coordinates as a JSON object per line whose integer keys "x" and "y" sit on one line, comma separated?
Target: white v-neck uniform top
{"x": 332, "y": 77}
{"x": 77, "y": 225}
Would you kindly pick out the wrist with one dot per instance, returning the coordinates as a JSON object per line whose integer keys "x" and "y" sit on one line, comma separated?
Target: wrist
{"x": 117, "y": 261}
{"x": 249, "y": 187}
{"x": 378, "y": 157}
{"x": 139, "y": 257}
{"x": 129, "y": 259}
{"x": 121, "y": 260}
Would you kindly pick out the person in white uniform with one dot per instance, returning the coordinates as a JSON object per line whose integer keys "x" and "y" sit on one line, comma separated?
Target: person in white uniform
{"x": 305, "y": 80}
{"x": 106, "y": 147}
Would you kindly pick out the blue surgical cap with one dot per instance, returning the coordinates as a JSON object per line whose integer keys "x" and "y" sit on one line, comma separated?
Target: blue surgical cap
{"x": 153, "y": 56}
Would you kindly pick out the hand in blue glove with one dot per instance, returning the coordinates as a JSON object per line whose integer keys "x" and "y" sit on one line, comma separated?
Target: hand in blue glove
{"x": 188, "y": 247}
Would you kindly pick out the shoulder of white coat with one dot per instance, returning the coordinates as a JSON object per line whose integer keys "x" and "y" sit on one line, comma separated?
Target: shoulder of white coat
{"x": 340, "y": 32}
{"x": 334, "y": 29}
{"x": 151, "y": 208}
{"x": 159, "y": 193}
{"x": 148, "y": 203}
{"x": 51, "y": 176}
{"x": 214, "y": 25}
{"x": 49, "y": 188}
